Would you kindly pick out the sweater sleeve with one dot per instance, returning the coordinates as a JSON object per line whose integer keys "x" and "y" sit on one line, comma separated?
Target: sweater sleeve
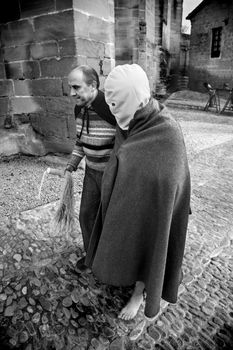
{"x": 76, "y": 156}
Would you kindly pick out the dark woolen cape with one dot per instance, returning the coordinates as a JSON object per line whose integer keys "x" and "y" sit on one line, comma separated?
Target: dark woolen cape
{"x": 140, "y": 230}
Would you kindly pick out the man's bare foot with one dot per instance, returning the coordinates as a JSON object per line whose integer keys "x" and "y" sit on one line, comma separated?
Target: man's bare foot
{"x": 132, "y": 307}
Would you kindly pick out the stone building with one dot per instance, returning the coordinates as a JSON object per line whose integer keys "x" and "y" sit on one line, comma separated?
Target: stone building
{"x": 183, "y": 79}
{"x": 211, "y": 44}
{"x": 42, "y": 40}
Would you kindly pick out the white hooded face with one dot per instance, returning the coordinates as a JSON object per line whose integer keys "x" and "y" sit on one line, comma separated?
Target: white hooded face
{"x": 126, "y": 91}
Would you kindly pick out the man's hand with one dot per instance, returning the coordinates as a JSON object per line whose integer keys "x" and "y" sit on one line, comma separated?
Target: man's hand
{"x": 69, "y": 168}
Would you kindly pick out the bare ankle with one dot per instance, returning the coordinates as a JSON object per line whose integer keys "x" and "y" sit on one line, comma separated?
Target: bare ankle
{"x": 139, "y": 288}
{"x": 132, "y": 307}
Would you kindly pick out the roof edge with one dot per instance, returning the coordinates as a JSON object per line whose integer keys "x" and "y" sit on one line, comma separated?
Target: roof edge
{"x": 197, "y": 9}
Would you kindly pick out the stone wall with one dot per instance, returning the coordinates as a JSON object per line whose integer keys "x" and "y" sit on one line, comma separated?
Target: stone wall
{"x": 41, "y": 41}
{"x": 168, "y": 37}
{"x": 183, "y": 80}
{"x": 175, "y": 41}
{"x": 150, "y": 53}
{"x": 135, "y": 39}
{"x": 202, "y": 68}
{"x": 184, "y": 53}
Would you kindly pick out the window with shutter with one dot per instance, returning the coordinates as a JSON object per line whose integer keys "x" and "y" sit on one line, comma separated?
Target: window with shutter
{"x": 216, "y": 42}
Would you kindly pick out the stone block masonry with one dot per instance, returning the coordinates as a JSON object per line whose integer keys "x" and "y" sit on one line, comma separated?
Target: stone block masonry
{"x": 56, "y": 26}
{"x": 142, "y": 28}
{"x": 203, "y": 67}
{"x": 6, "y": 88}
{"x": 40, "y": 43}
{"x": 38, "y": 87}
{"x": 2, "y": 71}
{"x": 135, "y": 35}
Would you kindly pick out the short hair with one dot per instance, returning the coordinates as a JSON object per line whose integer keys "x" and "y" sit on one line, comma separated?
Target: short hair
{"x": 90, "y": 74}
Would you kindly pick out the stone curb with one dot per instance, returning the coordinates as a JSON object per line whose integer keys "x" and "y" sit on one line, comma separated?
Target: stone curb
{"x": 184, "y": 106}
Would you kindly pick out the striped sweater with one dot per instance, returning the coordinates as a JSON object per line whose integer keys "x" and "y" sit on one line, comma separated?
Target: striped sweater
{"x": 95, "y": 134}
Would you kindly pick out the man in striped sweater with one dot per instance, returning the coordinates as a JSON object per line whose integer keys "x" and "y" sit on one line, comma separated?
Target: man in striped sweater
{"x": 95, "y": 130}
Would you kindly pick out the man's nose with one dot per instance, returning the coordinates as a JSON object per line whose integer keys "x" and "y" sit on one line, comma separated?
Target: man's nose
{"x": 72, "y": 92}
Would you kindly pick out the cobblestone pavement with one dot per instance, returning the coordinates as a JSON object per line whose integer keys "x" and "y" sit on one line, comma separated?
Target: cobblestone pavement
{"x": 44, "y": 304}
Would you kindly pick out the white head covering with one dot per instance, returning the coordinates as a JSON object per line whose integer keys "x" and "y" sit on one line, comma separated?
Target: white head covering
{"x": 126, "y": 90}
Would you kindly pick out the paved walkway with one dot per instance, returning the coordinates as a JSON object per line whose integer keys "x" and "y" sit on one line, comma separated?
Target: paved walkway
{"x": 44, "y": 305}
{"x": 195, "y": 100}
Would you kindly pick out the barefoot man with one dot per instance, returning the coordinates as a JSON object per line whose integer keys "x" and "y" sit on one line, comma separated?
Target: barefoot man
{"x": 140, "y": 231}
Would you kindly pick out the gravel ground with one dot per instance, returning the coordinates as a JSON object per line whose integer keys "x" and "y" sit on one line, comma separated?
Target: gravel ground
{"x": 20, "y": 182}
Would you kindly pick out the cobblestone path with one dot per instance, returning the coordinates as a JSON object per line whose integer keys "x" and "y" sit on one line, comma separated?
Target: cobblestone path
{"x": 44, "y": 304}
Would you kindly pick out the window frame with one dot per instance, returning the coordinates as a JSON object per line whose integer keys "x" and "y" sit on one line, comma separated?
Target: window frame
{"x": 216, "y": 42}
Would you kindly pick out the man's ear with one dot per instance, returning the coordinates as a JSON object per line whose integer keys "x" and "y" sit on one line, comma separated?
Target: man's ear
{"x": 94, "y": 84}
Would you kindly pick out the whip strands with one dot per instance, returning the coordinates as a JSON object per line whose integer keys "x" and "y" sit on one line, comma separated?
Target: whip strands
{"x": 65, "y": 214}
